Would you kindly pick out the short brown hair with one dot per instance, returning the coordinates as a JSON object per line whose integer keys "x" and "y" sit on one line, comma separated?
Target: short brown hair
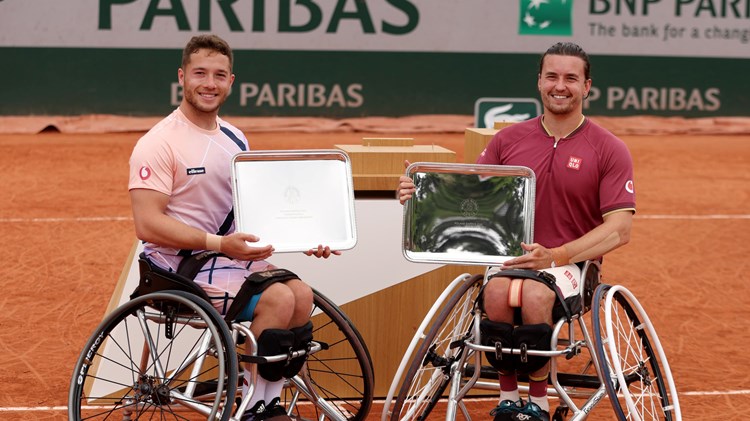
{"x": 208, "y": 42}
{"x": 568, "y": 49}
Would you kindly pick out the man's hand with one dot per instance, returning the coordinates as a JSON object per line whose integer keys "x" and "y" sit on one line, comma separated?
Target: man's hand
{"x": 537, "y": 257}
{"x": 324, "y": 252}
{"x": 236, "y": 246}
{"x": 406, "y": 187}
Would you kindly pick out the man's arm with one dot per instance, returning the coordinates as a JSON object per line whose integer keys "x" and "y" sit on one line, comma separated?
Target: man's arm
{"x": 153, "y": 225}
{"x": 614, "y": 232}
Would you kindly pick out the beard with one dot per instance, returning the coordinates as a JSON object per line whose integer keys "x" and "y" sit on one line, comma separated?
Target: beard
{"x": 573, "y": 105}
{"x": 194, "y": 100}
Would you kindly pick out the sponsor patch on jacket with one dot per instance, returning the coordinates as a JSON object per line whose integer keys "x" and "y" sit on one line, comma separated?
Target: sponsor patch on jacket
{"x": 196, "y": 171}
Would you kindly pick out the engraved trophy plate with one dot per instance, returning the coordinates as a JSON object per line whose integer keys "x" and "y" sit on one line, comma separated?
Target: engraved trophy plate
{"x": 295, "y": 200}
{"x": 468, "y": 214}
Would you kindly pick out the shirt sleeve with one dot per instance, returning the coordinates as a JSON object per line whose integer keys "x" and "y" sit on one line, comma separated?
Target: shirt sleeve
{"x": 491, "y": 153}
{"x": 616, "y": 189}
{"x": 151, "y": 166}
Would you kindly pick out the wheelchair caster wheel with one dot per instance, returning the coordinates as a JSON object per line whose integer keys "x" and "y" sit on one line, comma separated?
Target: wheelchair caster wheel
{"x": 561, "y": 413}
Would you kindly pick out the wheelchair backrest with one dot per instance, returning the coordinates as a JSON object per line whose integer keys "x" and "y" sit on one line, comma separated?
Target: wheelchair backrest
{"x": 154, "y": 279}
{"x": 591, "y": 279}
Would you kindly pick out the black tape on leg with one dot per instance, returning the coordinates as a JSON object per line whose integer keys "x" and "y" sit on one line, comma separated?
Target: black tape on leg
{"x": 499, "y": 335}
{"x": 302, "y": 337}
{"x": 274, "y": 342}
{"x": 532, "y": 337}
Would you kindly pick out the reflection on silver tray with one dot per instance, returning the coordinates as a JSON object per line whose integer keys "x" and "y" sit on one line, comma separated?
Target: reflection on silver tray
{"x": 295, "y": 200}
{"x": 468, "y": 214}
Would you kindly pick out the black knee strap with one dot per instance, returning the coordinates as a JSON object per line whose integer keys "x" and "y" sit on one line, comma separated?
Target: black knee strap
{"x": 303, "y": 335}
{"x": 255, "y": 283}
{"x": 274, "y": 342}
{"x": 536, "y": 337}
{"x": 526, "y": 338}
{"x": 499, "y": 335}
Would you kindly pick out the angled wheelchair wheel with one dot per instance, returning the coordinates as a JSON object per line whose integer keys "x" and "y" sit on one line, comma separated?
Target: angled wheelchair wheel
{"x": 630, "y": 358}
{"x": 165, "y": 355}
{"x": 428, "y": 376}
{"x": 337, "y": 382}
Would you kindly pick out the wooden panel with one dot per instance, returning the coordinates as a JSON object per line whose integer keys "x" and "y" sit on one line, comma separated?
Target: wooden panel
{"x": 475, "y": 140}
{"x": 387, "y": 141}
{"x": 378, "y": 167}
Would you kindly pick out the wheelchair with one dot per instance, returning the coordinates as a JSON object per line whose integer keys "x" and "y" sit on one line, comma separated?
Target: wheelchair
{"x": 168, "y": 354}
{"x": 619, "y": 356}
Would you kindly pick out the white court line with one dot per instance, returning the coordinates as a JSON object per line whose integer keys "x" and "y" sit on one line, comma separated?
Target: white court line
{"x": 65, "y": 408}
{"x": 692, "y": 217}
{"x": 130, "y": 218}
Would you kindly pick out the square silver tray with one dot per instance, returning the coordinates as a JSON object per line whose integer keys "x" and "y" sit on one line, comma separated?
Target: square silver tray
{"x": 295, "y": 200}
{"x": 468, "y": 213}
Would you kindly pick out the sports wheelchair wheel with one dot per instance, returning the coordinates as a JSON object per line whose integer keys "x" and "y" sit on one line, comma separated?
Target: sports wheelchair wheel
{"x": 631, "y": 360}
{"x": 429, "y": 374}
{"x": 337, "y": 382}
{"x": 156, "y": 357}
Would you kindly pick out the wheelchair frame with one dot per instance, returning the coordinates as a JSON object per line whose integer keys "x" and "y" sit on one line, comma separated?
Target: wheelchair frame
{"x": 444, "y": 359}
{"x": 168, "y": 353}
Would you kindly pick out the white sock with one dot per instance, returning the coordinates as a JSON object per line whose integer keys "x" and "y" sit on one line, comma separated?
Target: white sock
{"x": 260, "y": 389}
{"x": 510, "y": 395}
{"x": 273, "y": 390}
{"x": 542, "y": 401}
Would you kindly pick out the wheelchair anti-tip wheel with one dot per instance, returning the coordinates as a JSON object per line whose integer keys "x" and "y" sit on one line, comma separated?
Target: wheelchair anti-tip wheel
{"x": 341, "y": 375}
{"x": 631, "y": 360}
{"x": 155, "y": 357}
{"x": 429, "y": 374}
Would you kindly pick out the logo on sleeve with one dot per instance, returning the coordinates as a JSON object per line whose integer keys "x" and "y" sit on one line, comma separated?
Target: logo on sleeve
{"x": 574, "y": 163}
{"x": 629, "y": 187}
{"x": 196, "y": 171}
{"x": 145, "y": 173}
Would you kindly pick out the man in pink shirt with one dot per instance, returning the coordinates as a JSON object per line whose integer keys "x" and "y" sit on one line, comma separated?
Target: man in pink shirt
{"x": 585, "y": 203}
{"x": 181, "y": 198}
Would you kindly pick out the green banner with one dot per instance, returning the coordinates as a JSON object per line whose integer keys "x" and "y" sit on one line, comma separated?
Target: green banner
{"x": 337, "y": 84}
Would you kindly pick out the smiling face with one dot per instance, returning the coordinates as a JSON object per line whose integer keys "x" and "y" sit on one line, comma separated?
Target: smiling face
{"x": 562, "y": 84}
{"x": 206, "y": 81}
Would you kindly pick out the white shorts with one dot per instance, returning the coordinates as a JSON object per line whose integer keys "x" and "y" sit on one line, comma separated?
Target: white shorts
{"x": 567, "y": 278}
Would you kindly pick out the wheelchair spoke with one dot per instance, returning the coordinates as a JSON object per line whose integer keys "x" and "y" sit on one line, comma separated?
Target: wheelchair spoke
{"x": 639, "y": 383}
{"x": 151, "y": 371}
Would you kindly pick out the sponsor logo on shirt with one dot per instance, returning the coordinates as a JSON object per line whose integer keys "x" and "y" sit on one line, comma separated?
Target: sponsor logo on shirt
{"x": 145, "y": 173}
{"x": 629, "y": 186}
{"x": 575, "y": 162}
{"x": 196, "y": 171}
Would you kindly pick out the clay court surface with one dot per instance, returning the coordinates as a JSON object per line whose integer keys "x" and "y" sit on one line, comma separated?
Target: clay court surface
{"x": 66, "y": 229}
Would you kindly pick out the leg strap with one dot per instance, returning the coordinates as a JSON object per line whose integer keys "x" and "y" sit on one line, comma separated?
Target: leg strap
{"x": 254, "y": 284}
{"x": 274, "y": 342}
{"x": 303, "y": 335}
{"x": 540, "y": 276}
{"x": 536, "y": 337}
{"x": 515, "y": 293}
{"x": 499, "y": 335}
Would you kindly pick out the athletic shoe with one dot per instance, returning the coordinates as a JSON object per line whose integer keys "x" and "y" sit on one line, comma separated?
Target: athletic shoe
{"x": 274, "y": 411}
{"x": 256, "y": 413}
{"x": 506, "y": 410}
{"x": 531, "y": 412}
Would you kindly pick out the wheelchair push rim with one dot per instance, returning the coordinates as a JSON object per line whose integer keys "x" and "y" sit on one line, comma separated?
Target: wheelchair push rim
{"x": 631, "y": 360}
{"x": 157, "y": 355}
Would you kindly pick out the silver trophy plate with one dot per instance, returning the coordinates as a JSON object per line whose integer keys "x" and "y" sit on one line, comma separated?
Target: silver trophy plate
{"x": 468, "y": 214}
{"x": 295, "y": 200}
